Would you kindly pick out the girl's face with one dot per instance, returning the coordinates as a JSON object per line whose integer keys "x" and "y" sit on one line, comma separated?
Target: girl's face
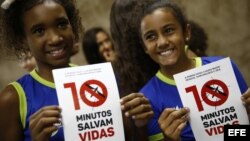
{"x": 105, "y": 46}
{"x": 48, "y": 34}
{"x": 163, "y": 37}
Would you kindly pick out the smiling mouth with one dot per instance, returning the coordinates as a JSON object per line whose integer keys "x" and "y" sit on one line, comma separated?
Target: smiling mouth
{"x": 57, "y": 52}
{"x": 167, "y": 52}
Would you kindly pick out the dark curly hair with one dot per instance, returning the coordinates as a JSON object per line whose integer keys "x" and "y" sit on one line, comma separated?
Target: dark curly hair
{"x": 198, "y": 41}
{"x": 132, "y": 67}
{"x": 12, "y": 33}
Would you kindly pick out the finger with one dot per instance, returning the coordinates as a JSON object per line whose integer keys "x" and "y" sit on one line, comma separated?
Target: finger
{"x": 171, "y": 116}
{"x": 140, "y": 109}
{"x": 144, "y": 115}
{"x": 246, "y": 96}
{"x": 44, "y": 134}
{"x": 177, "y": 114}
{"x": 47, "y": 108}
{"x": 246, "y": 101}
{"x": 179, "y": 129}
{"x": 165, "y": 114}
{"x": 44, "y": 114}
{"x": 162, "y": 121}
{"x": 141, "y": 120}
{"x": 134, "y": 102}
{"x": 176, "y": 123}
{"x": 43, "y": 123}
{"x": 130, "y": 97}
{"x": 248, "y": 110}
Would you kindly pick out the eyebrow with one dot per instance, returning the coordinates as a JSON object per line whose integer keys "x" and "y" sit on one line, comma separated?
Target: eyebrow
{"x": 33, "y": 27}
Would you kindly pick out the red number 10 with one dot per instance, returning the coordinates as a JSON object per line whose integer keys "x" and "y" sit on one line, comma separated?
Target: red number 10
{"x": 72, "y": 86}
{"x": 196, "y": 96}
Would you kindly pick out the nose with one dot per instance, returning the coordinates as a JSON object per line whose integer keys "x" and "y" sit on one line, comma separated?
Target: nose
{"x": 162, "y": 41}
{"x": 54, "y": 37}
{"x": 107, "y": 45}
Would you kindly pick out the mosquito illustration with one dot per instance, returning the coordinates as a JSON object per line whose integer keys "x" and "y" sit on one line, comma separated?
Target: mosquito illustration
{"x": 216, "y": 89}
{"x": 95, "y": 90}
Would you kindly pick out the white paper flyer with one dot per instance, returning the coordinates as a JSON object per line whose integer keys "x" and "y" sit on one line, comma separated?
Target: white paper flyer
{"x": 214, "y": 98}
{"x": 90, "y": 102}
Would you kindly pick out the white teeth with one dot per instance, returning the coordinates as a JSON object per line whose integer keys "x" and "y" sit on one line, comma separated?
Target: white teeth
{"x": 167, "y": 52}
{"x": 56, "y": 52}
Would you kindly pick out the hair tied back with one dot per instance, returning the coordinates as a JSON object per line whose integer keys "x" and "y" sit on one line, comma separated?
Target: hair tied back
{"x": 6, "y": 4}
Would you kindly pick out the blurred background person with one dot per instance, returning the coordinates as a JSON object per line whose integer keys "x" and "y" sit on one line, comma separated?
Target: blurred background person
{"x": 27, "y": 62}
{"x": 97, "y": 46}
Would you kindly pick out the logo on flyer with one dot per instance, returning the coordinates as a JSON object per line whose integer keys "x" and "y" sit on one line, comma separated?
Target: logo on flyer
{"x": 93, "y": 93}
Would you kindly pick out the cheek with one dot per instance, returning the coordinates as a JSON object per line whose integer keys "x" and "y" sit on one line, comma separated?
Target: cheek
{"x": 110, "y": 45}
{"x": 178, "y": 41}
{"x": 145, "y": 46}
{"x": 30, "y": 42}
{"x": 100, "y": 49}
{"x": 146, "y": 50}
{"x": 34, "y": 45}
{"x": 148, "y": 47}
{"x": 69, "y": 35}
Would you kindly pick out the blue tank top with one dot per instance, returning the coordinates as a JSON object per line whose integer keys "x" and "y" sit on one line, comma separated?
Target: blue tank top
{"x": 34, "y": 93}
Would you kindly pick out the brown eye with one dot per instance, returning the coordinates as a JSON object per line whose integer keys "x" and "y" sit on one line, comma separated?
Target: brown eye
{"x": 63, "y": 23}
{"x": 39, "y": 31}
{"x": 150, "y": 37}
{"x": 169, "y": 30}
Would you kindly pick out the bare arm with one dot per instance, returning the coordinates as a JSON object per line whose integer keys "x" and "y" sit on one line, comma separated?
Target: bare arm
{"x": 10, "y": 122}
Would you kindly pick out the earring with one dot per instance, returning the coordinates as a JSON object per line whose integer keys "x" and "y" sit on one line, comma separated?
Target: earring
{"x": 187, "y": 38}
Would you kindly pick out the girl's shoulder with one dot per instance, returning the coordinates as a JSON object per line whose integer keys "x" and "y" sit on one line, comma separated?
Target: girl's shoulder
{"x": 210, "y": 59}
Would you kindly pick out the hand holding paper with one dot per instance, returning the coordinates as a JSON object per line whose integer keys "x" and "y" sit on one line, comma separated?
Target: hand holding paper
{"x": 246, "y": 101}
{"x": 137, "y": 106}
{"x": 42, "y": 122}
{"x": 172, "y": 121}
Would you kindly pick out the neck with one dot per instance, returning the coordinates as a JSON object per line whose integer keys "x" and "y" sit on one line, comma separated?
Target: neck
{"x": 46, "y": 72}
{"x": 181, "y": 66}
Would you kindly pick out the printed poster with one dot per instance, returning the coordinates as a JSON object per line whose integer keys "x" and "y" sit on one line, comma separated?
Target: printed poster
{"x": 89, "y": 98}
{"x": 214, "y": 98}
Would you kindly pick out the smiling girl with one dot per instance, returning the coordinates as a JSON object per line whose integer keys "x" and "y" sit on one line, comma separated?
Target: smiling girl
{"x": 162, "y": 32}
{"x": 47, "y": 29}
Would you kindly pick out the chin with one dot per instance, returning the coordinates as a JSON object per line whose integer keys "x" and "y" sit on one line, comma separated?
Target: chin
{"x": 168, "y": 62}
{"x": 62, "y": 63}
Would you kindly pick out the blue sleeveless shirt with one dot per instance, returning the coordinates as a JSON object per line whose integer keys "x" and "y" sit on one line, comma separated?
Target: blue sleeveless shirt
{"x": 34, "y": 93}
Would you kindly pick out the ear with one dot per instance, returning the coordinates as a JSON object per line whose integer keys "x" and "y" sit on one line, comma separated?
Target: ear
{"x": 187, "y": 33}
